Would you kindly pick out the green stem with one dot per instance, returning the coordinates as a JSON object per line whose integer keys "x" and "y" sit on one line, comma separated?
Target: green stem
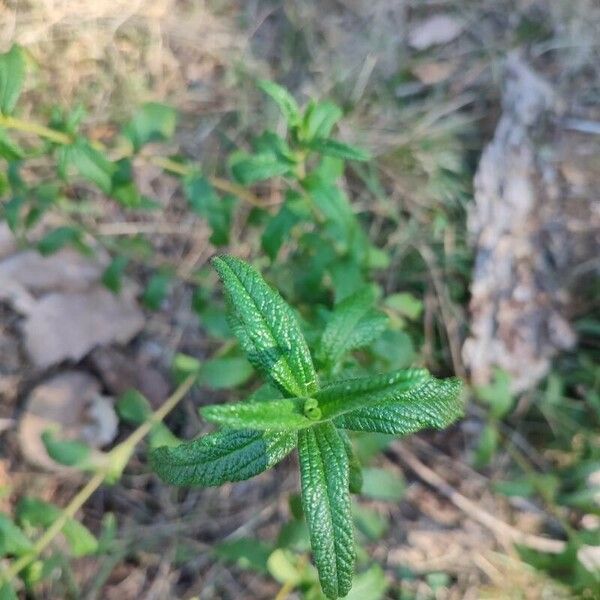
{"x": 167, "y": 164}
{"x": 121, "y": 452}
{"x": 40, "y": 130}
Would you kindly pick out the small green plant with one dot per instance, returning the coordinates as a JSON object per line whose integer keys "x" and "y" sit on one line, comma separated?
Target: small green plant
{"x": 295, "y": 409}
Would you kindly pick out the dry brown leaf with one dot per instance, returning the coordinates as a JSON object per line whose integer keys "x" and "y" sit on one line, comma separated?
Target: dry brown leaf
{"x": 66, "y": 326}
{"x": 70, "y": 402}
{"x": 66, "y": 271}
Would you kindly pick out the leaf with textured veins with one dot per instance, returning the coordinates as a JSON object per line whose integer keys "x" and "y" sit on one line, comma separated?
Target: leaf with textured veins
{"x": 353, "y": 324}
{"x": 228, "y": 455}
{"x": 434, "y": 403}
{"x": 326, "y": 503}
{"x": 267, "y": 328}
{"x": 347, "y": 395}
{"x": 282, "y": 414}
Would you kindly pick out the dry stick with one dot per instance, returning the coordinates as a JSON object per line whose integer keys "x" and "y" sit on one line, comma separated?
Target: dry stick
{"x": 500, "y": 528}
{"x": 120, "y": 453}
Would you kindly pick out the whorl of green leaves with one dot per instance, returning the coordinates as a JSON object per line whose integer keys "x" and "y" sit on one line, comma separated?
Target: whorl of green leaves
{"x": 261, "y": 431}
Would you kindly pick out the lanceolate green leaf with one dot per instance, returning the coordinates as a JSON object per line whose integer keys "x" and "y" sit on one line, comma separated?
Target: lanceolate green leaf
{"x": 319, "y": 119}
{"x": 267, "y": 328}
{"x": 12, "y": 75}
{"x": 353, "y": 324}
{"x": 434, "y": 403}
{"x": 90, "y": 163}
{"x": 152, "y": 122}
{"x": 228, "y": 455}
{"x": 347, "y": 395}
{"x": 12, "y": 540}
{"x": 9, "y": 150}
{"x": 38, "y": 513}
{"x": 326, "y": 503}
{"x": 250, "y": 168}
{"x": 330, "y": 147}
{"x": 284, "y": 100}
{"x": 285, "y": 414}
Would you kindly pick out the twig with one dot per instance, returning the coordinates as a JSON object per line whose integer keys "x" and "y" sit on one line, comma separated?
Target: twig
{"x": 120, "y": 454}
{"x": 500, "y": 528}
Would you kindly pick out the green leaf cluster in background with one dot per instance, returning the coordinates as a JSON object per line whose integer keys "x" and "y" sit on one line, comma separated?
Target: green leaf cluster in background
{"x": 302, "y": 412}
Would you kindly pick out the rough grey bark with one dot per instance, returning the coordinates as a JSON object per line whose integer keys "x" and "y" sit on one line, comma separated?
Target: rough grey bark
{"x": 527, "y": 230}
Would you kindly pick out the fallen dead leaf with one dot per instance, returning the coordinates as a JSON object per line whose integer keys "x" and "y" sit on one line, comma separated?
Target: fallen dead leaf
{"x": 66, "y": 326}
{"x": 65, "y": 271}
{"x": 70, "y": 401}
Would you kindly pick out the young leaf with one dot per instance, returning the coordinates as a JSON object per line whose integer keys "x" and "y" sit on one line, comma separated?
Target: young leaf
{"x": 90, "y": 163}
{"x": 353, "y": 324}
{"x": 133, "y": 407}
{"x": 267, "y": 328}
{"x": 37, "y": 513}
{"x": 71, "y": 453}
{"x": 330, "y": 147}
{"x": 58, "y": 238}
{"x": 152, "y": 122}
{"x": 12, "y": 75}
{"x": 283, "y": 414}
{"x": 112, "y": 277}
{"x": 224, "y": 373}
{"x": 335, "y": 207}
{"x": 9, "y": 150}
{"x": 246, "y": 553}
{"x": 406, "y": 304}
{"x": 250, "y": 168}
{"x": 379, "y": 484}
{"x": 370, "y": 585}
{"x": 319, "y": 119}
{"x": 12, "y": 540}
{"x": 156, "y": 291}
{"x": 347, "y": 395}
{"x": 369, "y": 522}
{"x": 284, "y": 100}
{"x": 184, "y": 366}
{"x": 292, "y": 211}
{"x": 326, "y": 502}
{"x": 228, "y": 455}
{"x": 205, "y": 202}
{"x": 431, "y": 403}
{"x": 123, "y": 187}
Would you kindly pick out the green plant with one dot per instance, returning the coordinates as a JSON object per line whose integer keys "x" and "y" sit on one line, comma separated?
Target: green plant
{"x": 54, "y": 191}
{"x": 296, "y": 410}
